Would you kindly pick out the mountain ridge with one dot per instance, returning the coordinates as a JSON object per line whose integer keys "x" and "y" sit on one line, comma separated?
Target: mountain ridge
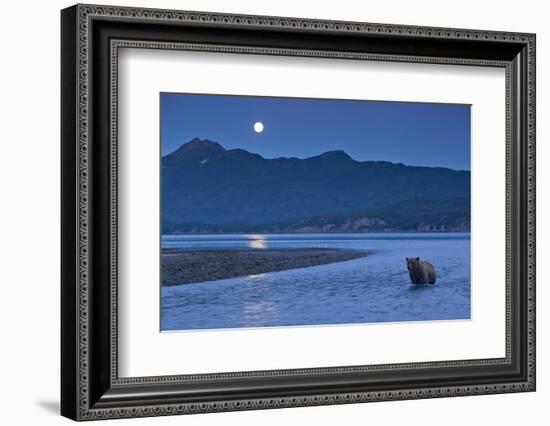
{"x": 210, "y": 145}
{"x": 207, "y": 188}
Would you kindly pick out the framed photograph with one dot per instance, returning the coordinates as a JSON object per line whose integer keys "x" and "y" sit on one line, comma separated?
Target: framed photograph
{"x": 263, "y": 212}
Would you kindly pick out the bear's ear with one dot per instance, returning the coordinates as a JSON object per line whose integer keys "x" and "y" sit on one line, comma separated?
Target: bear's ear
{"x": 407, "y": 259}
{"x": 418, "y": 259}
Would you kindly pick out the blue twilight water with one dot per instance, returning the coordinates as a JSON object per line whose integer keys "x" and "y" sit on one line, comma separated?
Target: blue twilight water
{"x": 371, "y": 289}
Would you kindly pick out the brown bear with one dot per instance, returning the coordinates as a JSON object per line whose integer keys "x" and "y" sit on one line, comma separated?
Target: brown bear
{"x": 420, "y": 272}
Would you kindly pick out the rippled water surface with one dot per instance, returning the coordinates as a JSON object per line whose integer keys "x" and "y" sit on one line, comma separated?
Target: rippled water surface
{"x": 371, "y": 289}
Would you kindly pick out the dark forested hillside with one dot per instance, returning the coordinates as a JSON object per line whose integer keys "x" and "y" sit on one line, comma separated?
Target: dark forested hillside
{"x": 206, "y": 188}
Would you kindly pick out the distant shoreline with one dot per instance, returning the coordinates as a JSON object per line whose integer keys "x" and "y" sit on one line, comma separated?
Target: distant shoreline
{"x": 315, "y": 232}
{"x": 187, "y": 267}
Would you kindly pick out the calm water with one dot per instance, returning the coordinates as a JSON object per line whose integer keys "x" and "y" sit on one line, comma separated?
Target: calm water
{"x": 371, "y": 289}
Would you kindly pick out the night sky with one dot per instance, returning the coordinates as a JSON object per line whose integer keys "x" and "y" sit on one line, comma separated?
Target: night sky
{"x": 422, "y": 134}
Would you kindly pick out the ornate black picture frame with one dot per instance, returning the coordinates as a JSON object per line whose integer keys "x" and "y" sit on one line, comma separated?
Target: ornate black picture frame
{"x": 91, "y": 388}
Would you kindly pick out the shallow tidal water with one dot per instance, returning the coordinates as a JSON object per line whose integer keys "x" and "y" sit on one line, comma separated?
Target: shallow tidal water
{"x": 376, "y": 288}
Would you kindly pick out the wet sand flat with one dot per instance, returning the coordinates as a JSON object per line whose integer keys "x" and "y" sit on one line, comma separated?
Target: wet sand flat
{"x": 186, "y": 267}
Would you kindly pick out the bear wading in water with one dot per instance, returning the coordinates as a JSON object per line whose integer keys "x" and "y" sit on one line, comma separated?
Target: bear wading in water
{"x": 420, "y": 272}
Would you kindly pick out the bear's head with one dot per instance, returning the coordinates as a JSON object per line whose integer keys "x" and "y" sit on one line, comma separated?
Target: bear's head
{"x": 412, "y": 263}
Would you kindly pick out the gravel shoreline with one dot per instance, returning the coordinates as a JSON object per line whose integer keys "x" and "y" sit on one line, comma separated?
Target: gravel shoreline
{"x": 186, "y": 267}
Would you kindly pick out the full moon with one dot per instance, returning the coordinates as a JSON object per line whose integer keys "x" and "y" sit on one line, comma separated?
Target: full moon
{"x": 258, "y": 127}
